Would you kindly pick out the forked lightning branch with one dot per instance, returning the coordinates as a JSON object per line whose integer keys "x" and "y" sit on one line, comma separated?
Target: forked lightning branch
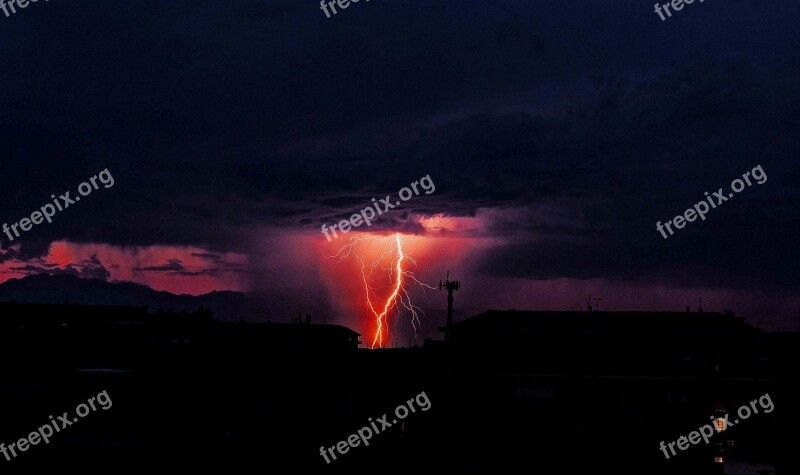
{"x": 394, "y": 262}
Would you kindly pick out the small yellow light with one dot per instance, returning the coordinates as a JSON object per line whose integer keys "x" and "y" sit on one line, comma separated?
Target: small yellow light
{"x": 721, "y": 425}
{"x": 718, "y": 460}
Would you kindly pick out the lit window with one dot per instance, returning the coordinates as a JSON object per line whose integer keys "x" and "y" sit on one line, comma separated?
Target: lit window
{"x": 721, "y": 425}
{"x": 718, "y": 460}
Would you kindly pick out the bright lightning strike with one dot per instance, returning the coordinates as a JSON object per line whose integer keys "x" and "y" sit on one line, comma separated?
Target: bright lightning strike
{"x": 392, "y": 260}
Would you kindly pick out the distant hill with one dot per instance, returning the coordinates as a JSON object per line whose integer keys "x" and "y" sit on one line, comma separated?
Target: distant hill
{"x": 56, "y": 289}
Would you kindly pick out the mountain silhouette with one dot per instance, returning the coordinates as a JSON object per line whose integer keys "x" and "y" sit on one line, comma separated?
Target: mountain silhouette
{"x": 59, "y": 289}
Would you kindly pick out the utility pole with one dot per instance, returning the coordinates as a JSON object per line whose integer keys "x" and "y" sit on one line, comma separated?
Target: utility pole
{"x": 450, "y": 286}
{"x": 596, "y": 304}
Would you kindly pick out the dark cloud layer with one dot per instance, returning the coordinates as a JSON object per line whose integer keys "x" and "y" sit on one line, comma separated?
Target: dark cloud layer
{"x": 91, "y": 268}
{"x": 586, "y": 122}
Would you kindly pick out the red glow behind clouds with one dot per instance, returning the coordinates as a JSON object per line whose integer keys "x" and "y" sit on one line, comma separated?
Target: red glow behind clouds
{"x": 154, "y": 266}
{"x": 292, "y": 272}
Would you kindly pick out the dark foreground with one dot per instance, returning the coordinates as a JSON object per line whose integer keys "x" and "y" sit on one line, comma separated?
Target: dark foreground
{"x": 512, "y": 392}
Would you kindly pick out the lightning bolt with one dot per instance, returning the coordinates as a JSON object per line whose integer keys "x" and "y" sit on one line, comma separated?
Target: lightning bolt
{"x": 399, "y": 281}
